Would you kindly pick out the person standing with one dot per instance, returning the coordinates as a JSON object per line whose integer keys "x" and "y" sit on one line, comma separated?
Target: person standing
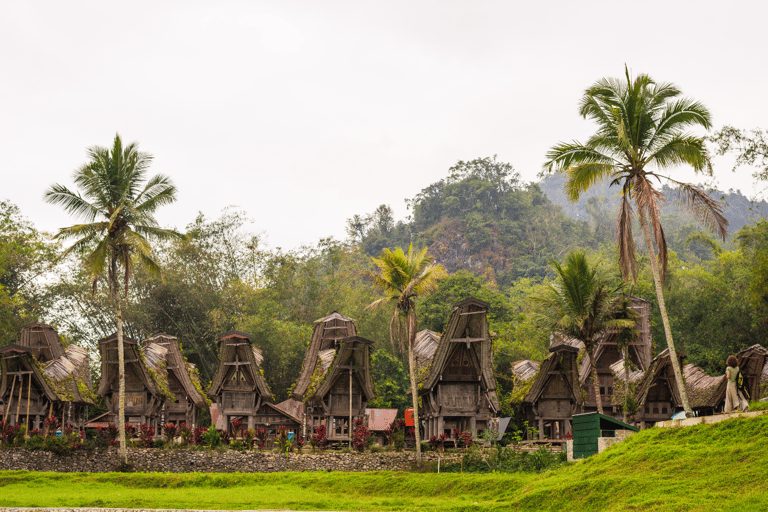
{"x": 733, "y": 398}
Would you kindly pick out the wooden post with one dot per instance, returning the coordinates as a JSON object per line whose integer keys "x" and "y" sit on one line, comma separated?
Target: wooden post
{"x": 29, "y": 391}
{"x": 18, "y": 402}
{"x": 541, "y": 428}
{"x": 8, "y": 413}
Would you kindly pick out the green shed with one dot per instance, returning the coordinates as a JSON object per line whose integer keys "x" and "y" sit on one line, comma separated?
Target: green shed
{"x": 588, "y": 427}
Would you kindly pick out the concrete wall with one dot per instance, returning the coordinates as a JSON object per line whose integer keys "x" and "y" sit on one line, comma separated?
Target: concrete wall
{"x": 186, "y": 461}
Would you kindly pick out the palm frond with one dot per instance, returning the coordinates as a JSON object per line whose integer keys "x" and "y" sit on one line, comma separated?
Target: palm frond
{"x": 626, "y": 242}
{"x": 707, "y": 210}
{"x": 72, "y": 202}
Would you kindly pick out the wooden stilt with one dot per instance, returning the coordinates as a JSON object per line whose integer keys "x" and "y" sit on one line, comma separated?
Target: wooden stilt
{"x": 29, "y": 394}
{"x": 8, "y": 413}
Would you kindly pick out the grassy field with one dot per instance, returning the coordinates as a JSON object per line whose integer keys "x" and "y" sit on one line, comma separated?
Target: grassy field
{"x": 713, "y": 467}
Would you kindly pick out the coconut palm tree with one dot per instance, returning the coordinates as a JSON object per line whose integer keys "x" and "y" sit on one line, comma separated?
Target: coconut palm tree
{"x": 641, "y": 134}
{"x": 402, "y": 277}
{"x": 581, "y": 304}
{"x": 116, "y": 203}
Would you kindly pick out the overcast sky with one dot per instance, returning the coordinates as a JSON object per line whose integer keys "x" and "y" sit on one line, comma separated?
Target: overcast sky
{"x": 305, "y": 113}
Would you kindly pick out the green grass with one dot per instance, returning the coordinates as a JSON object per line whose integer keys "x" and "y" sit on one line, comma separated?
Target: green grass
{"x": 706, "y": 467}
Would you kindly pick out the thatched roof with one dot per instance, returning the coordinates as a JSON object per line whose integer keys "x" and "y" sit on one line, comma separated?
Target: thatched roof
{"x": 424, "y": 349}
{"x": 66, "y": 376}
{"x": 176, "y": 366}
{"x": 42, "y": 340}
{"x": 703, "y": 390}
{"x": 353, "y": 352}
{"x": 618, "y": 372}
{"x": 235, "y": 349}
{"x": 524, "y": 370}
{"x": 560, "y": 363}
{"x": 147, "y": 363}
{"x": 660, "y": 367}
{"x": 327, "y": 333}
{"x": 468, "y": 324}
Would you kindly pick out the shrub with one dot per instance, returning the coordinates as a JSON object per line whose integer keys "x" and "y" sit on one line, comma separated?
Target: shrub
{"x": 170, "y": 431}
{"x": 51, "y": 425}
{"x": 261, "y": 437}
{"x": 320, "y": 437}
{"x": 399, "y": 440}
{"x": 300, "y": 444}
{"x": 211, "y": 437}
{"x": 284, "y": 444}
{"x": 35, "y": 442}
{"x": 249, "y": 437}
{"x": 197, "y": 436}
{"x": 130, "y": 430}
{"x": 361, "y": 437}
{"x": 463, "y": 439}
{"x": 146, "y": 436}
{"x": 237, "y": 426}
{"x": 185, "y": 433}
{"x": 238, "y": 445}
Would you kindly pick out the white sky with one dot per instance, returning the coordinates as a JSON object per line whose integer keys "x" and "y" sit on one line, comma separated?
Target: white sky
{"x": 305, "y": 113}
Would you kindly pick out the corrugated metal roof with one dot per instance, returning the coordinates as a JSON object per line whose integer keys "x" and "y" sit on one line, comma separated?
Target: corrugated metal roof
{"x": 292, "y": 407}
{"x": 380, "y": 419}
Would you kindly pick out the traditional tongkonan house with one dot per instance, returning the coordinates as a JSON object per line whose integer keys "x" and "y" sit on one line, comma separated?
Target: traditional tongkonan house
{"x": 657, "y": 395}
{"x": 146, "y": 382}
{"x": 555, "y": 392}
{"x": 335, "y": 381}
{"x": 457, "y": 385}
{"x": 238, "y": 387}
{"x": 607, "y": 354}
{"x": 41, "y": 378}
{"x": 183, "y": 383}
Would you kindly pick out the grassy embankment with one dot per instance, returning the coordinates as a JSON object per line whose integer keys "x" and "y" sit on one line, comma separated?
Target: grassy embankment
{"x": 707, "y": 467}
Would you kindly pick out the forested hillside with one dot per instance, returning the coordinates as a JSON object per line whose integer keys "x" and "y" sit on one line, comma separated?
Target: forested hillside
{"x": 495, "y": 235}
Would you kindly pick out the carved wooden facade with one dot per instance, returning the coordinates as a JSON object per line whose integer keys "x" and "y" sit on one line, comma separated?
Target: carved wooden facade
{"x": 555, "y": 393}
{"x": 61, "y": 387}
{"x": 335, "y": 381}
{"x": 183, "y": 382}
{"x": 457, "y": 385}
{"x": 607, "y": 354}
{"x": 146, "y": 382}
{"x": 238, "y": 387}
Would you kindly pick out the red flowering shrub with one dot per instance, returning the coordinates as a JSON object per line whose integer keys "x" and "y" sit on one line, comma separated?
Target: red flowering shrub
{"x": 146, "y": 436}
{"x": 320, "y": 437}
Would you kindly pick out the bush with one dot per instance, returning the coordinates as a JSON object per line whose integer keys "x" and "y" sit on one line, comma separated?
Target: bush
{"x": 147, "y": 435}
{"x": 361, "y": 437}
{"x": 35, "y": 443}
{"x": 399, "y": 440}
{"x": 319, "y": 438}
{"x": 237, "y": 445}
{"x": 211, "y": 437}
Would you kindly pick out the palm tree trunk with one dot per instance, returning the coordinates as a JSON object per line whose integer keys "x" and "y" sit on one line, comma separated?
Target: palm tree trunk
{"x": 121, "y": 379}
{"x": 626, "y": 384}
{"x": 411, "y": 333}
{"x": 598, "y": 397}
{"x": 664, "y": 317}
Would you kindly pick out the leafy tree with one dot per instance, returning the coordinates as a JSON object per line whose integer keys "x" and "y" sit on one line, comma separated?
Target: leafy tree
{"x": 116, "y": 192}
{"x": 751, "y": 148}
{"x": 581, "y": 304}
{"x": 25, "y": 256}
{"x": 641, "y": 132}
{"x": 402, "y": 278}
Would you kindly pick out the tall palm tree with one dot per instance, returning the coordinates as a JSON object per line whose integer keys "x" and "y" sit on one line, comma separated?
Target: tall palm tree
{"x": 116, "y": 203}
{"x": 640, "y": 136}
{"x": 581, "y": 304}
{"x": 402, "y": 277}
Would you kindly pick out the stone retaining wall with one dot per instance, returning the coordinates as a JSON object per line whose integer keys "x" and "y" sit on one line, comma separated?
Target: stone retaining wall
{"x": 204, "y": 461}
